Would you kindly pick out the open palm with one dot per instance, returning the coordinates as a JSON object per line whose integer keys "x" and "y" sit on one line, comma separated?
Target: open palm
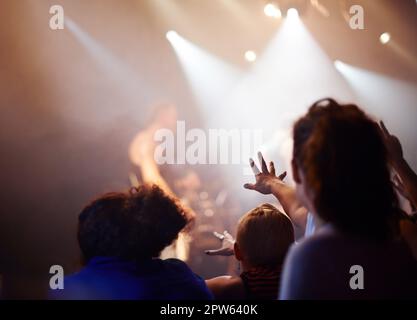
{"x": 265, "y": 178}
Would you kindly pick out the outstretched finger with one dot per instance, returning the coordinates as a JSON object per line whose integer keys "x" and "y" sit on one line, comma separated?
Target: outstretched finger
{"x": 254, "y": 167}
{"x": 262, "y": 162}
{"x": 384, "y": 129}
{"x": 228, "y": 236}
{"x": 282, "y": 176}
{"x": 397, "y": 180}
{"x": 398, "y": 184}
{"x": 220, "y": 252}
{"x": 272, "y": 168}
{"x": 218, "y": 235}
{"x": 214, "y": 252}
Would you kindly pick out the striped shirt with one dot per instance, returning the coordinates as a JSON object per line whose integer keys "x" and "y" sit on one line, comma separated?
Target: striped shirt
{"x": 262, "y": 283}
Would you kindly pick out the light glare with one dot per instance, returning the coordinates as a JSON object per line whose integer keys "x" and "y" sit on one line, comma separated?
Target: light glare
{"x": 171, "y": 35}
{"x": 385, "y": 38}
{"x": 250, "y": 56}
{"x": 271, "y": 10}
{"x": 292, "y": 13}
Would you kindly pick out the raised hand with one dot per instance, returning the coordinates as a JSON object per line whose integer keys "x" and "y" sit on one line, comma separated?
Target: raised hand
{"x": 227, "y": 248}
{"x": 393, "y": 144}
{"x": 265, "y": 178}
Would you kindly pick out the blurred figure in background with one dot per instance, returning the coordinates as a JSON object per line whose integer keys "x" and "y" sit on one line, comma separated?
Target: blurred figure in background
{"x": 201, "y": 189}
{"x": 142, "y": 154}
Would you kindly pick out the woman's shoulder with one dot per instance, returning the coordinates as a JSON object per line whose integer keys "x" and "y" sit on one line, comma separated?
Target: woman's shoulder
{"x": 324, "y": 238}
{"x": 321, "y": 266}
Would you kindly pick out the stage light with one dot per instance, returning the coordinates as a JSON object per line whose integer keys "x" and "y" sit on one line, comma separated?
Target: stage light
{"x": 385, "y": 38}
{"x": 250, "y": 56}
{"x": 281, "y": 76}
{"x": 172, "y": 35}
{"x": 271, "y": 10}
{"x": 292, "y": 13}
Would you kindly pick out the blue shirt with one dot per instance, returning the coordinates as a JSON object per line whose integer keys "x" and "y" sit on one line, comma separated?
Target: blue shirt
{"x": 107, "y": 278}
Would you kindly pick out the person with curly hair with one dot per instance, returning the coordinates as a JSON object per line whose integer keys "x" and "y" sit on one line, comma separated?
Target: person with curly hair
{"x": 121, "y": 236}
{"x": 342, "y": 176}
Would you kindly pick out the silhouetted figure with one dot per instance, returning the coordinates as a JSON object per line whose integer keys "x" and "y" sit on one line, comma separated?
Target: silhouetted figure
{"x": 121, "y": 236}
{"x": 343, "y": 178}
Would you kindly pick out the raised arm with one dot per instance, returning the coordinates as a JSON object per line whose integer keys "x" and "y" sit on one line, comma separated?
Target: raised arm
{"x": 268, "y": 183}
{"x": 141, "y": 153}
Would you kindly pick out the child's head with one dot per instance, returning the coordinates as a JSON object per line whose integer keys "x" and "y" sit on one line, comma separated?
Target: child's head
{"x": 264, "y": 236}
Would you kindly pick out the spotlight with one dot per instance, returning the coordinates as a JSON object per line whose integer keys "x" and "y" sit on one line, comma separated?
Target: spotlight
{"x": 250, "y": 56}
{"x": 171, "y": 35}
{"x": 292, "y": 13}
{"x": 271, "y": 10}
{"x": 338, "y": 64}
{"x": 385, "y": 38}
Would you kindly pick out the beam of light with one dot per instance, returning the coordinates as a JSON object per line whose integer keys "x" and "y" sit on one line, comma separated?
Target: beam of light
{"x": 407, "y": 57}
{"x": 320, "y": 8}
{"x": 389, "y": 99}
{"x": 116, "y": 74}
{"x": 209, "y": 77}
{"x": 108, "y": 61}
{"x": 291, "y": 74}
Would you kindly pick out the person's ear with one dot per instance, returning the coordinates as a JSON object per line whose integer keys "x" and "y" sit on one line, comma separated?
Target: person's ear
{"x": 295, "y": 172}
{"x": 238, "y": 253}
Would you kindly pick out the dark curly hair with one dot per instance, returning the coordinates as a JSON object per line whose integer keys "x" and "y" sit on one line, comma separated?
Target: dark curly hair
{"x": 341, "y": 152}
{"x": 133, "y": 225}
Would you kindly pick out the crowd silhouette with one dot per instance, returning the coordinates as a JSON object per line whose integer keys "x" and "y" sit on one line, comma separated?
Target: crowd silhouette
{"x": 358, "y": 242}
